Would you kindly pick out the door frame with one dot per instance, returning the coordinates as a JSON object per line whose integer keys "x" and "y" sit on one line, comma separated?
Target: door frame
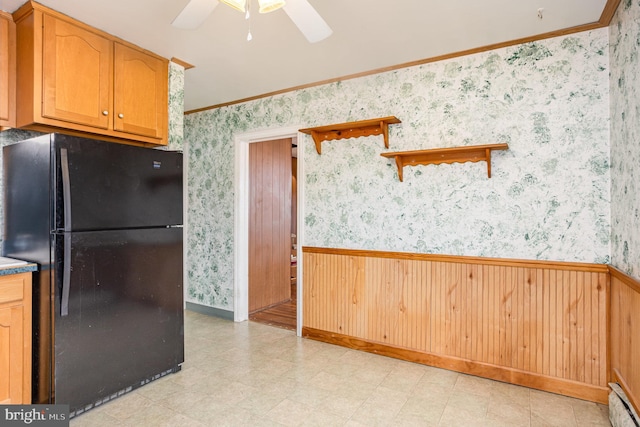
{"x": 241, "y": 219}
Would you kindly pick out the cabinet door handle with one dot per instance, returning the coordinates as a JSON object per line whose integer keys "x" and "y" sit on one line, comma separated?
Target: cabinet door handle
{"x": 105, "y": 113}
{"x": 121, "y": 115}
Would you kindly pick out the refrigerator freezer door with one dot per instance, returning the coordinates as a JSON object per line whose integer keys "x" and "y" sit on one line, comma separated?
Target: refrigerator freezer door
{"x": 115, "y": 186}
{"x": 125, "y": 313}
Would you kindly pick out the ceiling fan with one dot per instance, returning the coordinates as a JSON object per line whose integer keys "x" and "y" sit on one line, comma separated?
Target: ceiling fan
{"x": 303, "y": 15}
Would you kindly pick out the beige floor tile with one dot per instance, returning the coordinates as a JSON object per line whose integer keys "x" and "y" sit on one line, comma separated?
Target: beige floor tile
{"x": 511, "y": 392}
{"x": 591, "y": 414}
{"x": 126, "y": 406}
{"x": 242, "y": 420}
{"x": 439, "y": 376}
{"x": 154, "y": 415}
{"x": 356, "y": 358}
{"x": 235, "y": 417}
{"x": 247, "y": 374}
{"x": 381, "y": 407}
{"x": 509, "y": 413}
{"x": 232, "y": 392}
{"x": 370, "y": 375}
{"x": 355, "y": 390}
{"x": 461, "y": 416}
{"x": 95, "y": 418}
{"x": 289, "y": 413}
{"x": 260, "y": 402}
{"x": 308, "y": 394}
{"x": 411, "y": 420}
{"x": 352, "y": 423}
{"x": 303, "y": 372}
{"x": 207, "y": 410}
{"x": 428, "y": 389}
{"x": 326, "y": 381}
{"x": 341, "y": 368}
{"x": 541, "y": 420}
{"x": 281, "y": 386}
{"x": 428, "y": 409}
{"x": 187, "y": 376}
{"x": 472, "y": 404}
{"x": 551, "y": 409}
{"x": 182, "y": 402}
{"x": 160, "y": 389}
{"x": 340, "y": 405}
{"x": 327, "y": 353}
{"x": 473, "y": 385}
{"x": 403, "y": 377}
{"x": 320, "y": 418}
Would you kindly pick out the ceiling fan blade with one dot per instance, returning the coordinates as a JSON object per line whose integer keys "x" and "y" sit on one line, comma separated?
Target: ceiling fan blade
{"x": 194, "y": 14}
{"x": 308, "y": 20}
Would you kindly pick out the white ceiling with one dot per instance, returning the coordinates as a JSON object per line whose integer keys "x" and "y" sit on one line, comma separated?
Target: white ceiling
{"x": 367, "y": 35}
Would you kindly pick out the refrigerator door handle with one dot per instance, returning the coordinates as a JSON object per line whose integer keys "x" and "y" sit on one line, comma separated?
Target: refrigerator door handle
{"x": 66, "y": 276}
{"x": 66, "y": 188}
{"x": 66, "y": 198}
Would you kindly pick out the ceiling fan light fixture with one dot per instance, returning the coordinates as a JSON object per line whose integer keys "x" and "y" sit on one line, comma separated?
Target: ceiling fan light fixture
{"x": 267, "y": 6}
{"x": 236, "y": 4}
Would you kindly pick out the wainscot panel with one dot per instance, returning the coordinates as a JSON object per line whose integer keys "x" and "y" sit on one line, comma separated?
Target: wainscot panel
{"x": 625, "y": 338}
{"x": 533, "y": 323}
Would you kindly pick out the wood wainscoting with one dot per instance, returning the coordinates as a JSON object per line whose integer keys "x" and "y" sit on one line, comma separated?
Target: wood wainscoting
{"x": 625, "y": 334}
{"x": 542, "y": 325}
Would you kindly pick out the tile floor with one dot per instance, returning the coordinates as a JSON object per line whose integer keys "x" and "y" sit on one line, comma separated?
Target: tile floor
{"x": 249, "y": 374}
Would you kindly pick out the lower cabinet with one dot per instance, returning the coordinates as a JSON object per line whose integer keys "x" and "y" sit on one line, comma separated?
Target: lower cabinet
{"x": 15, "y": 339}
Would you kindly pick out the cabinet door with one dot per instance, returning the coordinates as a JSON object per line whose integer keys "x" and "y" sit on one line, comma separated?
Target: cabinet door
{"x": 77, "y": 74}
{"x": 7, "y": 71}
{"x": 11, "y": 341}
{"x": 140, "y": 94}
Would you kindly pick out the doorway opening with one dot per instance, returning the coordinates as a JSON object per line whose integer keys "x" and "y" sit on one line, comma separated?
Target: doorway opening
{"x": 243, "y": 143}
{"x": 272, "y": 233}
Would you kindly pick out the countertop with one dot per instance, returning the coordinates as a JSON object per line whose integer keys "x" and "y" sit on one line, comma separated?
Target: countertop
{"x": 12, "y": 266}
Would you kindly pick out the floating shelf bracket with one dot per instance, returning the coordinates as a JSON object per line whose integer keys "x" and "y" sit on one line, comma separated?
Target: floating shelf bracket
{"x": 351, "y": 130}
{"x": 473, "y": 153}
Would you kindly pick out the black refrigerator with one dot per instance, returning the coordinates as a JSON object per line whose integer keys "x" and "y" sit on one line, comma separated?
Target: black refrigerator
{"x": 104, "y": 222}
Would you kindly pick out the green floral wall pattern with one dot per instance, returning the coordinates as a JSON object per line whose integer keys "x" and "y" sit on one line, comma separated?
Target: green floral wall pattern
{"x": 548, "y": 198}
{"x": 176, "y": 106}
{"x": 625, "y": 138}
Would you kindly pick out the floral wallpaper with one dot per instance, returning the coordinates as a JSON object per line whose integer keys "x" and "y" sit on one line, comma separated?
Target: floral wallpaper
{"x": 625, "y": 138}
{"x": 176, "y": 106}
{"x": 548, "y": 197}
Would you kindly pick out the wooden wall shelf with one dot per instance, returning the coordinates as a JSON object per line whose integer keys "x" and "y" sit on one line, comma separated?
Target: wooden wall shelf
{"x": 351, "y": 130}
{"x": 473, "y": 153}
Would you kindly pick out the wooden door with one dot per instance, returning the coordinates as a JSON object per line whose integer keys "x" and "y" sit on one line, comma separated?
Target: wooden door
{"x": 269, "y": 223}
{"x": 77, "y": 74}
{"x": 7, "y": 70}
{"x": 140, "y": 92}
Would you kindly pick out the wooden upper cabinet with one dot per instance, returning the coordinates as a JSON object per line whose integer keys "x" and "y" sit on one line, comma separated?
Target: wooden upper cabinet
{"x": 140, "y": 97}
{"x": 73, "y": 78}
{"x": 7, "y": 70}
{"x": 76, "y": 79}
